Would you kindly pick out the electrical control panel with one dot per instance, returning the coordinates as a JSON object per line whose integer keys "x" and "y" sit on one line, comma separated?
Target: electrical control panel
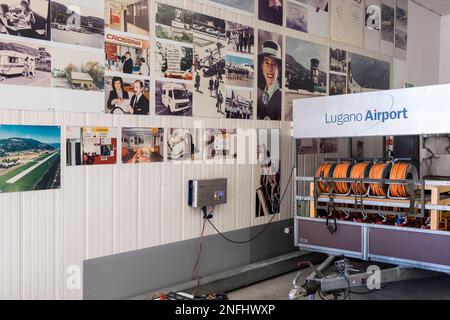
{"x": 207, "y": 193}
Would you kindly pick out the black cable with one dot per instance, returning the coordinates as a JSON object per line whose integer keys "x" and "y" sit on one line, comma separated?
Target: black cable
{"x": 266, "y": 226}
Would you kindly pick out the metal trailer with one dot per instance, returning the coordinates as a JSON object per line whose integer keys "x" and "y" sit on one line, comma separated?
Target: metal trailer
{"x": 416, "y": 252}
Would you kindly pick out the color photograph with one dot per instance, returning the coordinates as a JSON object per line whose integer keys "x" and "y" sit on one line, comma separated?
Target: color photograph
{"x": 367, "y": 74}
{"x": 127, "y": 55}
{"x": 127, "y": 96}
{"x": 338, "y": 84}
{"x": 239, "y": 103}
{"x": 297, "y": 17}
{"x": 184, "y": 144}
{"x": 127, "y": 16}
{"x": 221, "y": 144}
{"x": 173, "y": 98}
{"x": 240, "y": 71}
{"x": 240, "y": 38}
{"x": 25, "y": 19}
{"x": 25, "y": 64}
{"x": 173, "y": 23}
{"x": 173, "y": 61}
{"x": 306, "y": 67}
{"x": 268, "y": 186}
{"x": 77, "y": 69}
{"x": 338, "y": 60}
{"x": 78, "y": 22}
{"x": 209, "y": 66}
{"x": 271, "y": 11}
{"x": 142, "y": 145}
{"x": 91, "y": 146}
{"x": 30, "y": 158}
{"x": 270, "y": 70}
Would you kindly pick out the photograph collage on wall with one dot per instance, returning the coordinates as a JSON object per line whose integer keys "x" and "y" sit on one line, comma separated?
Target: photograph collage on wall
{"x": 270, "y": 70}
{"x": 173, "y": 61}
{"x": 220, "y": 144}
{"x": 127, "y": 57}
{"x": 338, "y": 72}
{"x": 366, "y": 74}
{"x": 91, "y": 146}
{"x": 142, "y": 145}
{"x": 268, "y": 189}
{"x": 184, "y": 144}
{"x": 30, "y": 158}
{"x": 308, "y": 16}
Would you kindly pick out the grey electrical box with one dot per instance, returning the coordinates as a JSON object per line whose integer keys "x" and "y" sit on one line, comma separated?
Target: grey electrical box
{"x": 207, "y": 193}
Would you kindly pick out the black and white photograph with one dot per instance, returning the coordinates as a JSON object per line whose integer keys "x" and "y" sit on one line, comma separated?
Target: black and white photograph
{"x": 173, "y": 60}
{"x": 306, "y": 67}
{"x": 268, "y": 189}
{"x": 184, "y": 144}
{"x": 328, "y": 145}
{"x": 77, "y": 69}
{"x": 296, "y": 16}
{"x": 173, "y": 98}
{"x": 78, "y": 22}
{"x": 129, "y": 16}
{"x": 209, "y": 66}
{"x": 338, "y": 60}
{"x": 307, "y": 146}
{"x": 25, "y": 18}
{"x": 270, "y": 70}
{"x": 127, "y": 55}
{"x": 240, "y": 71}
{"x": 173, "y": 23}
{"x": 25, "y": 64}
{"x": 367, "y": 74}
{"x": 221, "y": 144}
{"x": 127, "y": 96}
{"x": 240, "y": 38}
{"x": 338, "y": 84}
{"x": 387, "y": 23}
{"x": 271, "y": 11}
{"x": 239, "y": 103}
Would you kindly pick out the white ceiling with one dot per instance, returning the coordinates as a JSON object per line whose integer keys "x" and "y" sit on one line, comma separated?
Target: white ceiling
{"x": 441, "y": 7}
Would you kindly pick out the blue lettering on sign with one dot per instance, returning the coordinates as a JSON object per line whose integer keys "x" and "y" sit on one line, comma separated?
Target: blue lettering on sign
{"x": 370, "y": 116}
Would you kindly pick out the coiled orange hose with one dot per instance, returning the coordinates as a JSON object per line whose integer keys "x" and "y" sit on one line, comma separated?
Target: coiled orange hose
{"x": 341, "y": 171}
{"x": 376, "y": 172}
{"x": 323, "y": 172}
{"x": 399, "y": 171}
{"x": 358, "y": 171}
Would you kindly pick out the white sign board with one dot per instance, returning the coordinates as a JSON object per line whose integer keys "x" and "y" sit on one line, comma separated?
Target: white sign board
{"x": 421, "y": 110}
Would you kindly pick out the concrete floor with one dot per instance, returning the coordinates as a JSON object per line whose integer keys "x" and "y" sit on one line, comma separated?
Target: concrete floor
{"x": 437, "y": 288}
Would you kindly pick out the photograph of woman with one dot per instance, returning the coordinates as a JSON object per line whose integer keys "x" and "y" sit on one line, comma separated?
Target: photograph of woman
{"x": 269, "y": 77}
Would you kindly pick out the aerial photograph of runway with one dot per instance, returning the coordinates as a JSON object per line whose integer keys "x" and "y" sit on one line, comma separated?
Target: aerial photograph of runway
{"x": 30, "y": 158}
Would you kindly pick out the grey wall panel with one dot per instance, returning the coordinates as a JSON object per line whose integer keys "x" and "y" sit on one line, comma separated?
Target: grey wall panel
{"x": 129, "y": 274}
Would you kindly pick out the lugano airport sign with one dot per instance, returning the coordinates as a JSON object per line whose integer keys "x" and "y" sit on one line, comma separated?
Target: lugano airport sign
{"x": 420, "y": 110}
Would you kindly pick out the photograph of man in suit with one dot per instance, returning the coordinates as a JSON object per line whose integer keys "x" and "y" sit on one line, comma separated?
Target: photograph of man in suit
{"x": 139, "y": 101}
{"x": 118, "y": 96}
{"x": 269, "y": 82}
